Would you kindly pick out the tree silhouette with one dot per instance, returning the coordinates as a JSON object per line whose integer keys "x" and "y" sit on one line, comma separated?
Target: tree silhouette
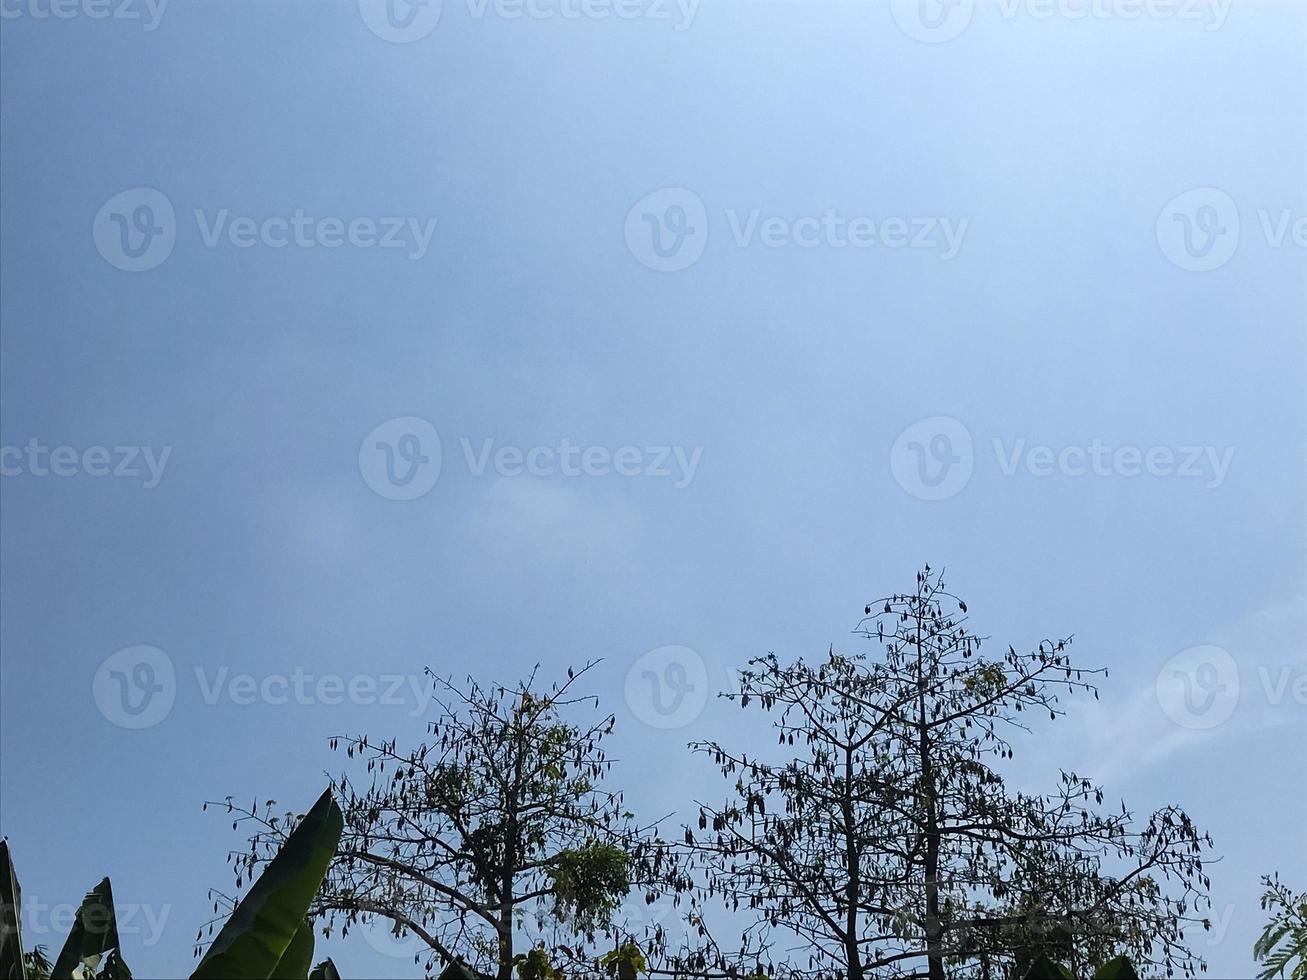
{"x": 877, "y": 838}
{"x": 499, "y": 828}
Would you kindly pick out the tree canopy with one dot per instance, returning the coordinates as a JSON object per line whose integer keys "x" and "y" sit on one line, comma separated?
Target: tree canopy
{"x": 874, "y": 834}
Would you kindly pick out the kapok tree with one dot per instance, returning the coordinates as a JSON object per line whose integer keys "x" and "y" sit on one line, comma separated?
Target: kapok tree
{"x": 495, "y": 843}
{"x": 878, "y": 837}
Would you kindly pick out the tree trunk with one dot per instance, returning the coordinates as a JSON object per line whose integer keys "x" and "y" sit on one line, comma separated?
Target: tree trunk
{"x": 934, "y": 928}
{"x": 852, "y": 954}
{"x": 508, "y": 874}
{"x": 505, "y": 954}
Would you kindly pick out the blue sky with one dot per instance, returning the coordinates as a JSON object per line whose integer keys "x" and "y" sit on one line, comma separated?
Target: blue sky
{"x": 824, "y": 290}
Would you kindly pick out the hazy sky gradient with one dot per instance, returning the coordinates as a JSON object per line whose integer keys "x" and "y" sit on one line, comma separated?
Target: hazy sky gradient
{"x": 1061, "y": 320}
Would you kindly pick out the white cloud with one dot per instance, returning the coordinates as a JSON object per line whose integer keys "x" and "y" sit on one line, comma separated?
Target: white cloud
{"x": 1120, "y": 737}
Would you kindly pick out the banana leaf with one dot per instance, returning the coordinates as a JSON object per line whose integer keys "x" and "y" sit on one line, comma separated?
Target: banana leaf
{"x": 94, "y": 933}
{"x": 256, "y": 937}
{"x": 11, "y": 933}
{"x": 294, "y": 963}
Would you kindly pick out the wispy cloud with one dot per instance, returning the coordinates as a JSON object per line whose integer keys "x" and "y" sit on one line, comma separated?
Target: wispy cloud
{"x": 1262, "y": 681}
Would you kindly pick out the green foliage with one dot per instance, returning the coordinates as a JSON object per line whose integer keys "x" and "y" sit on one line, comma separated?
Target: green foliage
{"x": 535, "y": 965}
{"x": 1028, "y": 931}
{"x": 492, "y": 838}
{"x": 882, "y": 829}
{"x": 263, "y": 926}
{"x": 94, "y": 936}
{"x": 267, "y": 937}
{"x": 554, "y": 833}
{"x": 590, "y": 881}
{"x": 625, "y": 963}
{"x": 1285, "y": 937}
{"x": 294, "y": 963}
